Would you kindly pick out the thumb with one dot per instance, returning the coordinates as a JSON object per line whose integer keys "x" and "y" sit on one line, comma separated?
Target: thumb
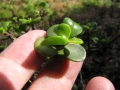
{"x": 100, "y": 83}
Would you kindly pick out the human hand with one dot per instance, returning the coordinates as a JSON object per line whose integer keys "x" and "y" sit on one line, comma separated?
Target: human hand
{"x": 19, "y": 61}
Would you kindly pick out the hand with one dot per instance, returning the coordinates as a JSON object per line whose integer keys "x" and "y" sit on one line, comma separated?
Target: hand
{"x": 19, "y": 61}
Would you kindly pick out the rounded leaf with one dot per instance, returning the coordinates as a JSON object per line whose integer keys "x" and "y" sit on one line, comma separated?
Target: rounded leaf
{"x": 39, "y": 41}
{"x": 76, "y": 29}
{"x": 46, "y": 51}
{"x": 75, "y": 52}
{"x": 63, "y": 30}
{"x": 68, "y": 21}
{"x": 52, "y": 31}
{"x": 54, "y": 40}
{"x": 75, "y": 40}
{"x": 93, "y": 25}
{"x": 43, "y": 4}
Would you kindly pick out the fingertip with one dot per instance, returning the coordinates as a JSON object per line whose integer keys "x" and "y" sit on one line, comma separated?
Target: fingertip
{"x": 100, "y": 83}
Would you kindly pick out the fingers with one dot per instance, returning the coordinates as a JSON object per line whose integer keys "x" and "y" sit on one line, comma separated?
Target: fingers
{"x": 57, "y": 75}
{"x": 23, "y": 47}
{"x": 99, "y": 83}
{"x": 19, "y": 61}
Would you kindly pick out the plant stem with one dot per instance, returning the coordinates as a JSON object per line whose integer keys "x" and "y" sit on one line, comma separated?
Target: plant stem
{"x": 114, "y": 39}
{"x": 81, "y": 81}
{"x": 88, "y": 41}
{"x": 10, "y": 36}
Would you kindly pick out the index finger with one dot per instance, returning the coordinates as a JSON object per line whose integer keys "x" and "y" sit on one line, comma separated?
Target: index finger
{"x": 19, "y": 61}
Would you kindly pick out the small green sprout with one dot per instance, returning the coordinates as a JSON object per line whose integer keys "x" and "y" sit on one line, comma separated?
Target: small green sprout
{"x": 61, "y": 39}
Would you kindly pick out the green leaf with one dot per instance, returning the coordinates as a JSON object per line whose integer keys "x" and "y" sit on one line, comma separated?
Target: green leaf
{"x": 87, "y": 26}
{"x": 54, "y": 40}
{"x": 93, "y": 25}
{"x": 39, "y": 41}
{"x": 76, "y": 29}
{"x": 25, "y": 21}
{"x": 36, "y": 20}
{"x": 36, "y": 12}
{"x": 75, "y": 52}
{"x": 51, "y": 31}
{"x": 15, "y": 18}
{"x": 2, "y": 47}
{"x": 75, "y": 40}
{"x": 46, "y": 51}
{"x": 90, "y": 26}
{"x": 43, "y": 4}
{"x": 6, "y": 24}
{"x": 63, "y": 30}
{"x": 95, "y": 39}
{"x": 17, "y": 29}
{"x": 2, "y": 30}
{"x": 69, "y": 21}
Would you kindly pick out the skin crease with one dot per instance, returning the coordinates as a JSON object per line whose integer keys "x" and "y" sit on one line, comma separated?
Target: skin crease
{"x": 19, "y": 61}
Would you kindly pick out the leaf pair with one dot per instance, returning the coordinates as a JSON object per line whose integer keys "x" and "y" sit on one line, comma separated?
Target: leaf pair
{"x": 62, "y": 30}
{"x": 74, "y": 30}
{"x": 58, "y": 35}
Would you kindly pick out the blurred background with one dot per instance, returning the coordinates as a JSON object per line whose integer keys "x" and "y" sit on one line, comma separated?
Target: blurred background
{"x": 100, "y": 20}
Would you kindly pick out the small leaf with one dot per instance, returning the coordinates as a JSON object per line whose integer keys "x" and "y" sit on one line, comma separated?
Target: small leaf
{"x": 69, "y": 21}
{"x": 54, "y": 40}
{"x": 87, "y": 26}
{"x": 6, "y": 24}
{"x": 90, "y": 26}
{"x": 17, "y": 29}
{"x": 76, "y": 29}
{"x": 75, "y": 52}
{"x": 46, "y": 51}
{"x": 39, "y": 41}
{"x": 36, "y": 12}
{"x": 25, "y": 21}
{"x": 95, "y": 39}
{"x": 2, "y": 30}
{"x": 93, "y": 25}
{"x": 15, "y": 18}
{"x": 36, "y": 20}
{"x": 51, "y": 31}
{"x": 63, "y": 30}
{"x": 43, "y": 4}
{"x": 75, "y": 40}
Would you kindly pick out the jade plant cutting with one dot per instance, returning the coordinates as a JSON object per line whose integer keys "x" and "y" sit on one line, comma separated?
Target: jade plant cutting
{"x": 61, "y": 40}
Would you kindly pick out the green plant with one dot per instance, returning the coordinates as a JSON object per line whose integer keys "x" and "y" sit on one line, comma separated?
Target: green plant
{"x": 98, "y": 3}
{"x": 28, "y": 17}
{"x": 61, "y": 40}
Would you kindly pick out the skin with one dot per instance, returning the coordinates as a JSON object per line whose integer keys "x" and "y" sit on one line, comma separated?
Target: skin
{"x": 19, "y": 61}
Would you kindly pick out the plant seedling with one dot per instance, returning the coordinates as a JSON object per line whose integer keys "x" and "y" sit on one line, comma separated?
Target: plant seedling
{"x": 61, "y": 40}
